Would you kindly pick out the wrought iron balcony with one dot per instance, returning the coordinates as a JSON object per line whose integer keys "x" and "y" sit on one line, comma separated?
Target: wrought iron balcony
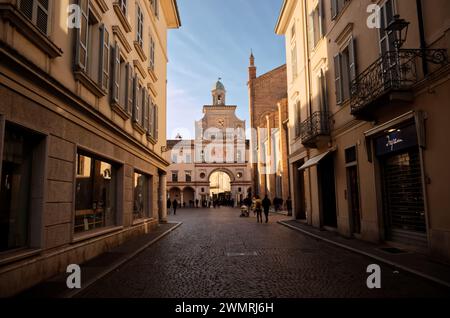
{"x": 315, "y": 127}
{"x": 391, "y": 78}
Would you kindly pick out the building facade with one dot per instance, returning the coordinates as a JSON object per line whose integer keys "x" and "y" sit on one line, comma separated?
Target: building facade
{"x": 368, "y": 91}
{"x": 214, "y": 166}
{"x": 268, "y": 120}
{"x": 82, "y": 126}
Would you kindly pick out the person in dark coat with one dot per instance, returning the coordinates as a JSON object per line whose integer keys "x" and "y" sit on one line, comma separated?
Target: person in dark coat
{"x": 289, "y": 206}
{"x": 266, "y": 206}
{"x": 169, "y": 205}
{"x": 175, "y": 206}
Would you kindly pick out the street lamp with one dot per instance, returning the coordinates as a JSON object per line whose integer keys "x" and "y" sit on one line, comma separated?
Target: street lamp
{"x": 400, "y": 28}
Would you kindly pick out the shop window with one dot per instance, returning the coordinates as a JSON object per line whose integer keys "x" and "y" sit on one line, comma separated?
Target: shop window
{"x": 95, "y": 196}
{"x": 21, "y": 167}
{"x": 140, "y": 196}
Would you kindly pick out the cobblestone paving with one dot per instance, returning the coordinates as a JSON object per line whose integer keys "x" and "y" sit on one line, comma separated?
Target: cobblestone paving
{"x": 217, "y": 254}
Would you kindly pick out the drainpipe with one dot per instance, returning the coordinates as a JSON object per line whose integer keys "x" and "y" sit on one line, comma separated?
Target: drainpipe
{"x": 423, "y": 44}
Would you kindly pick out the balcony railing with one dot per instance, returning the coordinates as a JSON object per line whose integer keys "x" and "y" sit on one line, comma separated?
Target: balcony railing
{"x": 395, "y": 71}
{"x": 315, "y": 126}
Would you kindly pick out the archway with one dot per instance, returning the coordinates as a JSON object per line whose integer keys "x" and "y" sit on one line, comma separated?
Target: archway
{"x": 175, "y": 193}
{"x": 220, "y": 187}
{"x": 188, "y": 197}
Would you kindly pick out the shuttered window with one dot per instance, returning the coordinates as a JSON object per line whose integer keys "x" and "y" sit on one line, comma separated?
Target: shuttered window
{"x": 294, "y": 62}
{"x": 155, "y": 120}
{"x": 116, "y": 74}
{"x": 140, "y": 27}
{"x": 336, "y": 7}
{"x": 123, "y": 6}
{"x": 129, "y": 89}
{"x": 345, "y": 71}
{"x": 82, "y": 36}
{"x": 152, "y": 54}
{"x": 37, "y": 11}
{"x": 104, "y": 57}
{"x": 151, "y": 124}
{"x": 155, "y": 7}
{"x": 316, "y": 27}
{"x": 137, "y": 109}
{"x": 146, "y": 105}
{"x": 352, "y": 60}
{"x": 337, "y": 78}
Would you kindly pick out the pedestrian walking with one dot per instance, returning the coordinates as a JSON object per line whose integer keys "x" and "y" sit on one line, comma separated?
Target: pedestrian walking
{"x": 289, "y": 206}
{"x": 175, "y": 206}
{"x": 169, "y": 205}
{"x": 266, "y": 206}
{"x": 258, "y": 208}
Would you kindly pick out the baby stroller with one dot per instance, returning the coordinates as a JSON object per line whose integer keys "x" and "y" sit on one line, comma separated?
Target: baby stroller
{"x": 244, "y": 212}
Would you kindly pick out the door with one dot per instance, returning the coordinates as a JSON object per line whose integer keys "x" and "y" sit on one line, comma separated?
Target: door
{"x": 299, "y": 192}
{"x": 353, "y": 199}
{"x": 327, "y": 191}
{"x": 404, "y": 207}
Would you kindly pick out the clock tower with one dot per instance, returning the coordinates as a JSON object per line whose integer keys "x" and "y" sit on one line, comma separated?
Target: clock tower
{"x": 218, "y": 93}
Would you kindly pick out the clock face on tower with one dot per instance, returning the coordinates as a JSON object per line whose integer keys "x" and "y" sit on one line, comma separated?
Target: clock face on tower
{"x": 221, "y": 123}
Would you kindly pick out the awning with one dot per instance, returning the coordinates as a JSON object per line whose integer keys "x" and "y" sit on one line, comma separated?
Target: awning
{"x": 315, "y": 161}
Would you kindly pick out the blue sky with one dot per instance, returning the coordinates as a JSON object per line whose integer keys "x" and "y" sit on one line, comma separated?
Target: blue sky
{"x": 215, "y": 41}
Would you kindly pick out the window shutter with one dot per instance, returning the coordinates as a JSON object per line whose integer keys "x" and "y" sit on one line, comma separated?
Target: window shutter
{"x": 338, "y": 78}
{"x": 155, "y": 115}
{"x": 135, "y": 99}
{"x": 146, "y": 109}
{"x": 116, "y": 74}
{"x": 311, "y": 41}
{"x": 334, "y": 9}
{"x": 104, "y": 57}
{"x": 155, "y": 7}
{"x": 151, "y": 123}
{"x": 294, "y": 62}
{"x": 140, "y": 26}
{"x": 129, "y": 89}
{"x": 123, "y": 7}
{"x": 82, "y": 37}
{"x": 42, "y": 15}
{"x": 26, "y": 7}
{"x": 152, "y": 53}
{"x": 352, "y": 57}
{"x": 321, "y": 19}
{"x": 323, "y": 91}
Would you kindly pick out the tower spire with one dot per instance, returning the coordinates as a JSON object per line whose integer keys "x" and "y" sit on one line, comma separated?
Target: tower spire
{"x": 252, "y": 68}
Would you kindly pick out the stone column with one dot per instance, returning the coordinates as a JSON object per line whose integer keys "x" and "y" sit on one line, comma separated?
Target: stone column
{"x": 162, "y": 194}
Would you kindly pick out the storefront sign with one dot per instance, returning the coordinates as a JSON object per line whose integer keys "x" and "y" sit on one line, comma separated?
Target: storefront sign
{"x": 395, "y": 140}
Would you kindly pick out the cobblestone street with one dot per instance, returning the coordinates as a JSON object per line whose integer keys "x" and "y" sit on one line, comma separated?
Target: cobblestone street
{"x": 215, "y": 253}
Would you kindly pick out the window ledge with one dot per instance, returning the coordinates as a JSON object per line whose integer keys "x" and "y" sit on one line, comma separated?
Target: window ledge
{"x": 8, "y": 257}
{"x": 139, "y": 128}
{"x": 152, "y": 89}
{"x": 119, "y": 110}
{"x": 29, "y": 30}
{"x": 151, "y": 139}
{"x": 139, "y": 67}
{"x": 95, "y": 233}
{"x": 122, "y": 38}
{"x": 140, "y": 51}
{"x": 152, "y": 74}
{"x": 84, "y": 79}
{"x": 123, "y": 19}
{"x": 103, "y": 5}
